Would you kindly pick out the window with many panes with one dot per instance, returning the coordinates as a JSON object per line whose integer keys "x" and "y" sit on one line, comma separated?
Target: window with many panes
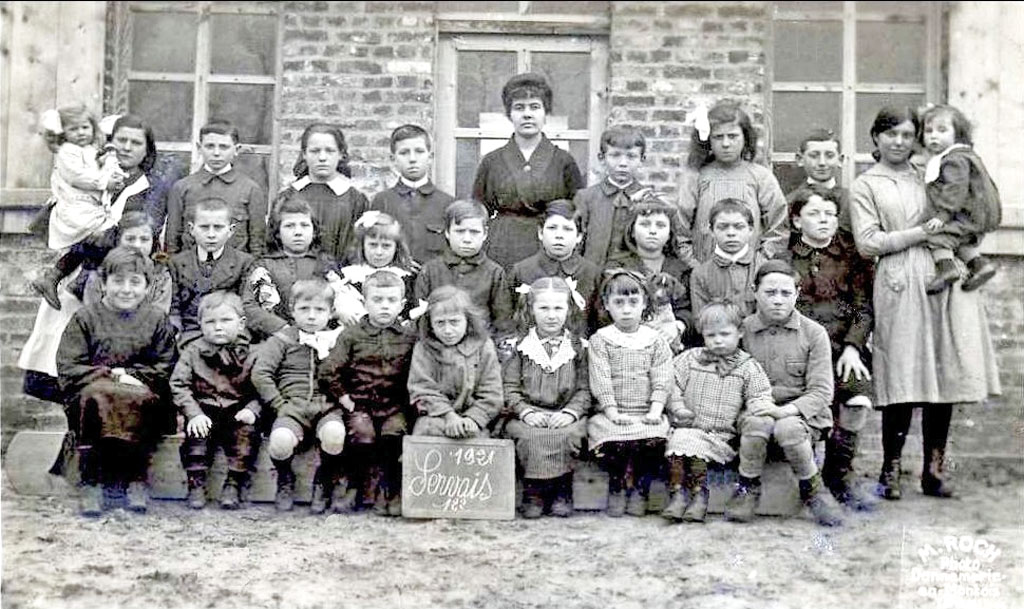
{"x": 835, "y": 64}
{"x": 179, "y": 65}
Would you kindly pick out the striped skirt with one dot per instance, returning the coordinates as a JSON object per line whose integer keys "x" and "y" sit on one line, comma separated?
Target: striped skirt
{"x": 545, "y": 453}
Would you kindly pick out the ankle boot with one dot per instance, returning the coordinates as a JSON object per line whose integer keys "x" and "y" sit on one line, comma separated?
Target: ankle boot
{"x": 561, "y": 504}
{"x": 636, "y": 503}
{"x": 533, "y": 498}
{"x": 344, "y": 500}
{"x": 91, "y": 500}
{"x": 698, "y": 485}
{"x": 889, "y": 480}
{"x": 895, "y": 423}
{"x": 138, "y": 496}
{"x": 230, "y": 493}
{"x": 982, "y": 269}
{"x": 323, "y": 485}
{"x": 837, "y": 473}
{"x": 946, "y": 274}
{"x": 823, "y": 506}
{"x": 46, "y": 286}
{"x": 284, "y": 500}
{"x": 935, "y": 420}
{"x": 196, "y": 489}
{"x": 744, "y": 499}
{"x": 678, "y": 493}
{"x": 933, "y": 482}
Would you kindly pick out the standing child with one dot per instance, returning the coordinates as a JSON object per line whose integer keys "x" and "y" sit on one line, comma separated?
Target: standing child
{"x": 365, "y": 376}
{"x": 284, "y": 375}
{"x": 82, "y": 211}
{"x": 963, "y": 199}
{"x": 211, "y": 387}
{"x": 294, "y": 254}
{"x": 722, "y": 153}
{"x": 820, "y": 156}
{"x": 113, "y": 363}
{"x": 729, "y": 273}
{"x": 465, "y": 265}
{"x": 714, "y": 383}
{"x": 546, "y": 386}
{"x": 209, "y": 265}
{"x": 135, "y": 231}
{"x": 322, "y": 180}
{"x": 218, "y": 146}
{"x": 630, "y": 378}
{"x": 414, "y": 201}
{"x": 605, "y": 208}
{"x": 454, "y": 378}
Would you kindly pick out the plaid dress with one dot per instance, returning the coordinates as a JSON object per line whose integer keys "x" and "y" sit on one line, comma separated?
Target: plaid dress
{"x": 628, "y": 371}
{"x": 711, "y": 393}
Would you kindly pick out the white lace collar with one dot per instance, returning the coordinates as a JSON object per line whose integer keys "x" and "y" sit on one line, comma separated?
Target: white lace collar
{"x": 322, "y": 342}
{"x": 357, "y": 273}
{"x": 533, "y": 349}
{"x": 641, "y": 339}
{"x": 339, "y": 184}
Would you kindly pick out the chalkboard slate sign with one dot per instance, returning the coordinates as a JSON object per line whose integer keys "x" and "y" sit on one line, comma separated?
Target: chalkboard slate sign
{"x": 443, "y": 478}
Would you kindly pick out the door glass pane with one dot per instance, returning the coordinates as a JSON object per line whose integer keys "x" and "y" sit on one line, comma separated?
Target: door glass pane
{"x": 481, "y": 75}
{"x": 256, "y": 166}
{"x": 477, "y": 7}
{"x": 831, "y": 7}
{"x": 243, "y": 44}
{"x": 890, "y": 52}
{"x": 163, "y": 42}
{"x": 569, "y": 77}
{"x": 570, "y": 8}
{"x": 467, "y": 157}
{"x": 868, "y": 105}
{"x": 892, "y": 8}
{"x": 796, "y": 114}
{"x": 808, "y": 51}
{"x": 166, "y": 107}
{"x": 249, "y": 107}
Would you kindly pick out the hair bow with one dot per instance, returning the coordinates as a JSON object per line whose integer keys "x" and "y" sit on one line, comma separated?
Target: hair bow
{"x": 107, "y": 123}
{"x": 523, "y": 289}
{"x": 699, "y": 119}
{"x": 368, "y": 219}
{"x": 50, "y": 121}
{"x": 418, "y": 311}
{"x": 576, "y": 296}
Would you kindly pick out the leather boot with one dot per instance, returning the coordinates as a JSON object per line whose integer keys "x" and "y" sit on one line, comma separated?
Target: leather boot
{"x": 561, "y": 504}
{"x": 698, "y": 483}
{"x": 196, "y": 489}
{"x": 946, "y": 274}
{"x": 823, "y": 506}
{"x": 533, "y": 499}
{"x": 138, "y": 496}
{"x": 982, "y": 269}
{"x": 837, "y": 473}
{"x": 323, "y": 483}
{"x": 46, "y": 286}
{"x": 230, "y": 493}
{"x": 934, "y": 433}
{"x": 284, "y": 500}
{"x": 679, "y": 496}
{"x": 744, "y": 500}
{"x": 895, "y": 424}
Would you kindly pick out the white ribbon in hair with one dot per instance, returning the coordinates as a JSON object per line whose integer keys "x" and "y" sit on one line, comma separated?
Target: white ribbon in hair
{"x": 419, "y": 310}
{"x": 50, "y": 121}
{"x": 107, "y": 124}
{"x": 368, "y": 219}
{"x": 577, "y": 298}
{"x": 699, "y": 119}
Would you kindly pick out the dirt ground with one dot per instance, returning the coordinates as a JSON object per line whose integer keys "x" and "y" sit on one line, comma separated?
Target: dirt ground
{"x": 174, "y": 557}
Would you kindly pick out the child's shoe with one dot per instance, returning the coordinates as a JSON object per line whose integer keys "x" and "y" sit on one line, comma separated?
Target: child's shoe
{"x": 46, "y": 286}
{"x": 616, "y": 504}
{"x": 636, "y": 504}
{"x": 698, "y": 486}
{"x": 284, "y": 500}
{"x": 561, "y": 503}
{"x": 395, "y": 505}
{"x": 138, "y": 496}
{"x": 91, "y": 500}
{"x": 823, "y": 506}
{"x": 344, "y": 500}
{"x": 196, "y": 490}
{"x": 318, "y": 502}
{"x": 533, "y": 500}
{"x": 982, "y": 269}
{"x": 677, "y": 502}
{"x": 889, "y": 480}
{"x": 946, "y": 274}
{"x": 744, "y": 500}
{"x": 230, "y": 494}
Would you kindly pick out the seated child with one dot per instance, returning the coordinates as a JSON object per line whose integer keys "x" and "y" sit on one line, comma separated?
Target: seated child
{"x": 729, "y": 274}
{"x": 821, "y": 158}
{"x": 714, "y": 383}
{"x": 631, "y": 380}
{"x": 293, "y": 254}
{"x": 113, "y": 363}
{"x": 211, "y": 387}
{"x": 414, "y": 201}
{"x": 794, "y": 351}
{"x": 835, "y": 291}
{"x": 546, "y": 386}
{"x": 218, "y": 179}
{"x": 365, "y": 378}
{"x": 465, "y": 265}
{"x": 454, "y": 378}
{"x": 962, "y": 199}
{"x": 209, "y": 266}
{"x": 284, "y": 375}
{"x": 560, "y": 232}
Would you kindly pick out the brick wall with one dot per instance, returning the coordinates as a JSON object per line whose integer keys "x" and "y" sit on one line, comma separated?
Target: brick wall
{"x": 667, "y": 56}
{"x": 367, "y": 66}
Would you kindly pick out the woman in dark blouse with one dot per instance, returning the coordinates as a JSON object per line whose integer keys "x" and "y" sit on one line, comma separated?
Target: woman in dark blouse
{"x": 518, "y": 180}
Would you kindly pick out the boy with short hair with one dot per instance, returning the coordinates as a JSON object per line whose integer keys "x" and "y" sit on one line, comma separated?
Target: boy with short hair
{"x": 284, "y": 375}
{"x": 365, "y": 376}
{"x": 210, "y": 264}
{"x": 211, "y": 387}
{"x": 821, "y": 156}
{"x": 218, "y": 146}
{"x": 112, "y": 364}
{"x": 414, "y": 200}
{"x": 729, "y": 273}
{"x": 465, "y": 265}
{"x": 604, "y": 208}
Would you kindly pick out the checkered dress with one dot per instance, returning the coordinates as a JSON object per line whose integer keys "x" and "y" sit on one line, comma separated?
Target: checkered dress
{"x": 711, "y": 393}
{"x": 628, "y": 374}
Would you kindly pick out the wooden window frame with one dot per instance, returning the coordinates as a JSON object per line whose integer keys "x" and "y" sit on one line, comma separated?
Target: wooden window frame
{"x": 201, "y": 75}
{"x": 849, "y": 87}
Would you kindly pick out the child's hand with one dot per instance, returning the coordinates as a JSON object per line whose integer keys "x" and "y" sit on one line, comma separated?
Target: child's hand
{"x": 617, "y": 417}
{"x": 246, "y": 416}
{"x": 851, "y": 363}
{"x": 932, "y": 226}
{"x": 560, "y": 419}
{"x": 199, "y": 426}
{"x": 653, "y": 416}
{"x": 469, "y": 427}
{"x": 537, "y": 419}
{"x": 346, "y": 402}
{"x": 452, "y": 425}
{"x": 783, "y": 412}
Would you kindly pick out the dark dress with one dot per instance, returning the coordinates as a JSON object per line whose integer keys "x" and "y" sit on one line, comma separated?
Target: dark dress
{"x": 336, "y": 204}
{"x": 517, "y": 191}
